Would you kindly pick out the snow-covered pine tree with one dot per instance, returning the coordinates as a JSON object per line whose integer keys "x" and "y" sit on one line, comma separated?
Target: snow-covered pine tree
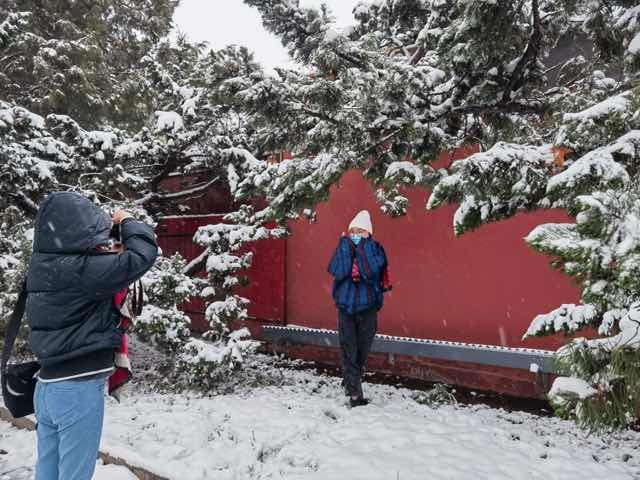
{"x": 82, "y": 58}
{"x": 30, "y": 160}
{"x": 224, "y": 263}
{"x": 191, "y": 130}
{"x": 15, "y": 249}
{"x": 166, "y": 287}
{"x": 414, "y": 77}
{"x": 194, "y": 130}
{"x": 587, "y": 162}
{"x": 410, "y": 79}
{"x": 223, "y": 349}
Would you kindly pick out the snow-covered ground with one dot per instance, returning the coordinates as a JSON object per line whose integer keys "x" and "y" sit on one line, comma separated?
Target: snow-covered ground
{"x": 302, "y": 429}
{"x": 18, "y": 456}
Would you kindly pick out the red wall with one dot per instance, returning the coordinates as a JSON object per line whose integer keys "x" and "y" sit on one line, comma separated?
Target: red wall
{"x": 483, "y": 287}
{"x": 266, "y": 289}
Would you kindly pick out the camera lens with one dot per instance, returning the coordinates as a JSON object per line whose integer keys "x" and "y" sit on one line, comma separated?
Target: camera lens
{"x": 115, "y": 232}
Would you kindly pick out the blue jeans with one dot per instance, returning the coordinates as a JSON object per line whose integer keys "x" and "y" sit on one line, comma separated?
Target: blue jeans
{"x": 69, "y": 415}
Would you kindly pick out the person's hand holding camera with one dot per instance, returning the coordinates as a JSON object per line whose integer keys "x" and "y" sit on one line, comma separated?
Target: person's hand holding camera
{"x": 119, "y": 215}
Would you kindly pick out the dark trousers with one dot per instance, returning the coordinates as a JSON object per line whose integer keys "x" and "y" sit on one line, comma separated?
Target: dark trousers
{"x": 356, "y": 334}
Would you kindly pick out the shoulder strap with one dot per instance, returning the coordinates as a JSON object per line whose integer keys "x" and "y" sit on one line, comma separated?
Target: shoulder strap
{"x": 363, "y": 255}
{"x": 13, "y": 326}
{"x": 137, "y": 298}
{"x": 352, "y": 248}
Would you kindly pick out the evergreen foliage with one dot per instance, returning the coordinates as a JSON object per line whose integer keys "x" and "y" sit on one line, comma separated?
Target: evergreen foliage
{"x": 81, "y": 59}
{"x": 140, "y": 110}
{"x": 586, "y": 161}
{"x": 96, "y": 99}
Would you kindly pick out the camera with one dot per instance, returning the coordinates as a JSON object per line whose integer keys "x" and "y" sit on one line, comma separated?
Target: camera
{"x": 115, "y": 239}
{"x": 115, "y": 233}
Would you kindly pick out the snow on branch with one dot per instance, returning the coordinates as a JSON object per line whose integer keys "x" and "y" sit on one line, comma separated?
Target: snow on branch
{"x": 566, "y": 318}
{"x": 600, "y": 124}
{"x": 495, "y": 184}
{"x": 559, "y": 239}
{"x": 11, "y": 26}
{"x": 169, "y": 121}
{"x": 168, "y": 197}
{"x": 406, "y": 172}
{"x": 564, "y": 387}
{"x": 629, "y": 333}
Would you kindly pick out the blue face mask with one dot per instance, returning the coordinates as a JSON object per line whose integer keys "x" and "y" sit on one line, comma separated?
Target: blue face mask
{"x": 355, "y": 238}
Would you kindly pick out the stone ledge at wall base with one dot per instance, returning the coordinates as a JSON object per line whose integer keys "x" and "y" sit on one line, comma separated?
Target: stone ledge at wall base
{"x": 428, "y": 360}
{"x": 27, "y": 424}
{"x": 534, "y": 360}
{"x": 494, "y": 381}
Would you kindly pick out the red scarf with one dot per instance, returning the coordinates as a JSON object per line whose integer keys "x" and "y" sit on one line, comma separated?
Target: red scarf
{"x": 355, "y": 273}
{"x": 123, "y": 372}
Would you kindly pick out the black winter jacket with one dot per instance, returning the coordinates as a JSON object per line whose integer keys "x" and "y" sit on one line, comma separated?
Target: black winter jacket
{"x": 70, "y": 307}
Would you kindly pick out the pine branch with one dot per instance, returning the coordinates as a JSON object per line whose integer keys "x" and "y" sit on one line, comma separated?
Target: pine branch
{"x": 382, "y": 141}
{"x": 167, "y": 197}
{"x": 322, "y": 116}
{"x": 529, "y": 57}
{"x": 510, "y": 107}
{"x": 444, "y": 92}
{"x": 168, "y": 167}
{"x": 177, "y": 157}
{"x": 418, "y": 55}
{"x": 350, "y": 59}
{"x": 25, "y": 203}
{"x": 197, "y": 265}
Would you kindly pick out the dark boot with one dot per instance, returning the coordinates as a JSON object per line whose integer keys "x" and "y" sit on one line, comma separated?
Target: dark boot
{"x": 358, "y": 402}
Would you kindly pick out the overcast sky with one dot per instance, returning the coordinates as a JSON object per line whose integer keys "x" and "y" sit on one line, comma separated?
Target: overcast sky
{"x": 223, "y": 22}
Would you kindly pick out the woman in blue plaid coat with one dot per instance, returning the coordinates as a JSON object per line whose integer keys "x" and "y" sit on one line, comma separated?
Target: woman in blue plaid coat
{"x": 359, "y": 270}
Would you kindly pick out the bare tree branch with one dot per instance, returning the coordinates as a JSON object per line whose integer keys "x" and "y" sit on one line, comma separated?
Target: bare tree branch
{"x": 25, "y": 203}
{"x": 197, "y": 264}
{"x": 164, "y": 197}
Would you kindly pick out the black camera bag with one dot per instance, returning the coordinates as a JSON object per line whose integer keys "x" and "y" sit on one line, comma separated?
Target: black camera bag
{"x": 19, "y": 379}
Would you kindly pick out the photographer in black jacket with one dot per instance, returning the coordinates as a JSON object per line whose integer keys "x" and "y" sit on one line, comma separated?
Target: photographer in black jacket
{"x": 71, "y": 283}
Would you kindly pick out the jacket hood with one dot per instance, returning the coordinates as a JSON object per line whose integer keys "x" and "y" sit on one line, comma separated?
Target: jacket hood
{"x": 67, "y": 222}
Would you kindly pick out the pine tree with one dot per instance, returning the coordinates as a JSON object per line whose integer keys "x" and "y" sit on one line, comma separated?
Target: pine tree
{"x": 15, "y": 250}
{"x": 193, "y": 128}
{"x": 414, "y": 77}
{"x": 410, "y": 79}
{"x": 82, "y": 59}
{"x": 221, "y": 348}
{"x": 588, "y": 164}
{"x": 166, "y": 287}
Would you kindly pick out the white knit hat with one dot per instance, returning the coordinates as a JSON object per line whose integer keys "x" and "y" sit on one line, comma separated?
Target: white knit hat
{"x": 362, "y": 220}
